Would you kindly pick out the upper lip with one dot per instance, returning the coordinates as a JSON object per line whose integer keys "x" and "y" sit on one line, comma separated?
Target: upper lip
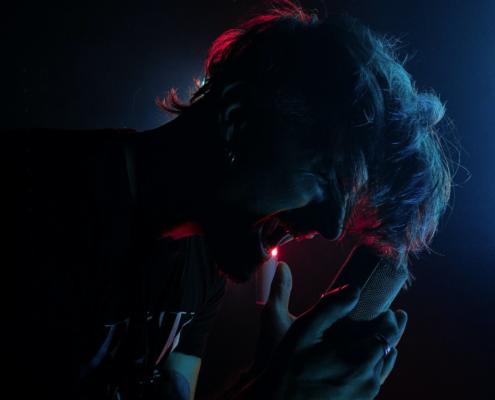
{"x": 274, "y": 232}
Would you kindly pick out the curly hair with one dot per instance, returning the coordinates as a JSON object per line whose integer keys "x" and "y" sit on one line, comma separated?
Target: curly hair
{"x": 386, "y": 155}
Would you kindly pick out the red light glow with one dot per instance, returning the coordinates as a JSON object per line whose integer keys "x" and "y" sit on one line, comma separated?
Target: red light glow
{"x": 274, "y": 252}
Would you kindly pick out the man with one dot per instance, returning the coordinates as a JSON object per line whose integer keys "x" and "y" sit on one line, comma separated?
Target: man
{"x": 122, "y": 240}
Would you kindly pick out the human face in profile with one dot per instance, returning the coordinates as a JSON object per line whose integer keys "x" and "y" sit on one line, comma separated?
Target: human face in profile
{"x": 281, "y": 190}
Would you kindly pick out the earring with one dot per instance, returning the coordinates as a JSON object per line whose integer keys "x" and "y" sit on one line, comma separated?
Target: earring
{"x": 231, "y": 158}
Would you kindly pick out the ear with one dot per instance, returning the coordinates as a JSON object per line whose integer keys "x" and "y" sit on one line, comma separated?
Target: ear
{"x": 232, "y": 113}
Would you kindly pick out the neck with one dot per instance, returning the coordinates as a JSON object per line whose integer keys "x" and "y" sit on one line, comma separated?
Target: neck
{"x": 178, "y": 168}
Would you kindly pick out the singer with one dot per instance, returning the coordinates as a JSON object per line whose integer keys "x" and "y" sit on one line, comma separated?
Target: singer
{"x": 123, "y": 240}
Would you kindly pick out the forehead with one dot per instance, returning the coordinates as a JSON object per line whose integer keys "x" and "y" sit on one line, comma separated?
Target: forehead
{"x": 286, "y": 138}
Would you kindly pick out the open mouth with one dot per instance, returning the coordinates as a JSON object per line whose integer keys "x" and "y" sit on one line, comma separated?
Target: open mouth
{"x": 274, "y": 233}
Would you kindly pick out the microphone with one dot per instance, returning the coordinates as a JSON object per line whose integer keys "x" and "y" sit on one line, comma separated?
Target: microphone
{"x": 378, "y": 278}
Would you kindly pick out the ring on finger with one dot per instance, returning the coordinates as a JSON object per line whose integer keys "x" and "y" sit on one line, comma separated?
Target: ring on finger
{"x": 387, "y": 348}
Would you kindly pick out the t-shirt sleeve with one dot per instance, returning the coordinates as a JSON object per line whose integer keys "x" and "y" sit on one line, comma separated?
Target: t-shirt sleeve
{"x": 194, "y": 335}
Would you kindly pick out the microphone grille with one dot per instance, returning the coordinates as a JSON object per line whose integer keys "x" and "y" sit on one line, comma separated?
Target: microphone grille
{"x": 380, "y": 290}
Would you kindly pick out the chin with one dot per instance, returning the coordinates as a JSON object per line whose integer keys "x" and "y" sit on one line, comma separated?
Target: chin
{"x": 237, "y": 257}
{"x": 233, "y": 241}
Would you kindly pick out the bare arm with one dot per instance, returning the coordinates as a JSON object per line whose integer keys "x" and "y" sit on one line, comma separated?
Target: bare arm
{"x": 180, "y": 376}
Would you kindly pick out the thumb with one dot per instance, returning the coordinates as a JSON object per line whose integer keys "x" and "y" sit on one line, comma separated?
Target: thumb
{"x": 281, "y": 287}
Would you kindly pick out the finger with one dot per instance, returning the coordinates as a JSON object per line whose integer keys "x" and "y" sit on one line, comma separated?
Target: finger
{"x": 319, "y": 363}
{"x": 388, "y": 328}
{"x": 401, "y": 317}
{"x": 281, "y": 287}
{"x": 388, "y": 365}
{"x": 324, "y": 314}
{"x": 391, "y": 325}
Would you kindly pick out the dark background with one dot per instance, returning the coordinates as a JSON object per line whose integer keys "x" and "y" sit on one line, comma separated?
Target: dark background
{"x": 101, "y": 64}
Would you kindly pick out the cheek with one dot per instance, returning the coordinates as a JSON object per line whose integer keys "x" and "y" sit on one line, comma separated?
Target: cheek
{"x": 285, "y": 193}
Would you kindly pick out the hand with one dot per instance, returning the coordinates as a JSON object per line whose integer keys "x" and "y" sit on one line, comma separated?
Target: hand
{"x": 327, "y": 356}
{"x": 275, "y": 318}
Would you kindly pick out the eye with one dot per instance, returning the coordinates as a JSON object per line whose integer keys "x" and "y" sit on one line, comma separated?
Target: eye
{"x": 323, "y": 178}
{"x": 323, "y": 181}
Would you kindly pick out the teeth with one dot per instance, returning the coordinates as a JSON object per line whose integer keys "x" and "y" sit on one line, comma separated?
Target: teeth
{"x": 276, "y": 238}
{"x": 270, "y": 226}
{"x": 286, "y": 239}
{"x": 273, "y": 233}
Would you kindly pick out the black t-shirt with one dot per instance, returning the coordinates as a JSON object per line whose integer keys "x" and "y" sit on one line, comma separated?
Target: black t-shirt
{"x": 97, "y": 301}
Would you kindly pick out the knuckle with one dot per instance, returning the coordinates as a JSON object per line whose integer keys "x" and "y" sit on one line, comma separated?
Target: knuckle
{"x": 388, "y": 320}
